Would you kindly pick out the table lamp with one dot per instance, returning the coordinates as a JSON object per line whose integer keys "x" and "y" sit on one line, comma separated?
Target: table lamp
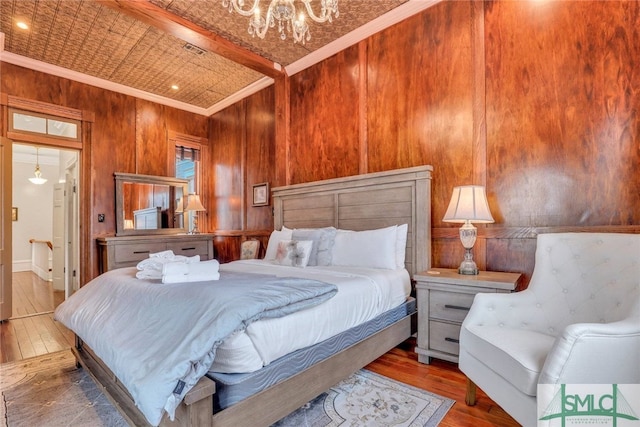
{"x": 194, "y": 205}
{"x": 468, "y": 204}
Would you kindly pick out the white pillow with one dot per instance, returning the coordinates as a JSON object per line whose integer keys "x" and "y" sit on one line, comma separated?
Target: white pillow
{"x": 369, "y": 248}
{"x": 294, "y": 253}
{"x": 274, "y": 239}
{"x": 401, "y": 245}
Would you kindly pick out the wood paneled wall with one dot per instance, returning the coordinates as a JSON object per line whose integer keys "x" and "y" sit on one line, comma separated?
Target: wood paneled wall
{"x": 539, "y": 101}
{"x": 242, "y": 141}
{"x": 324, "y": 119}
{"x": 127, "y": 135}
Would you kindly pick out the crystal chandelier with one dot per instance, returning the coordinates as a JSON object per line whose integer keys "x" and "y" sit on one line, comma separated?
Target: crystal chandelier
{"x": 285, "y": 15}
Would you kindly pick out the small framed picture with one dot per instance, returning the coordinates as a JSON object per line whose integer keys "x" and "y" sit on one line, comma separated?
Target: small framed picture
{"x": 261, "y": 194}
{"x": 14, "y": 214}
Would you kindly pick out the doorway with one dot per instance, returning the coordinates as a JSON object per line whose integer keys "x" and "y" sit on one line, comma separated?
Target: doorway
{"x": 45, "y": 234}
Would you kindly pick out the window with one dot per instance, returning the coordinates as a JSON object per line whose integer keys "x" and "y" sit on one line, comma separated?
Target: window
{"x": 43, "y": 124}
{"x": 188, "y": 167}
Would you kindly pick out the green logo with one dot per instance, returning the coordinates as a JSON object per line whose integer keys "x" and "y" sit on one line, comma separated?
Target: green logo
{"x": 612, "y": 405}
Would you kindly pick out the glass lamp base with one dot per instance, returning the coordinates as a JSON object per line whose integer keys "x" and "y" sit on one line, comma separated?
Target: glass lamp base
{"x": 468, "y": 268}
{"x": 468, "y": 265}
{"x": 195, "y": 230}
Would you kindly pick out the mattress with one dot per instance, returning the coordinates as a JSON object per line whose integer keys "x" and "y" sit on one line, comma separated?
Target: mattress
{"x": 232, "y": 388}
{"x": 363, "y": 294}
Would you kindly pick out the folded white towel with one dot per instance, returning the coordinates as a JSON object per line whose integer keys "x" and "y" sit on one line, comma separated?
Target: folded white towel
{"x": 172, "y": 268}
{"x": 204, "y": 267}
{"x": 149, "y": 274}
{"x": 191, "y": 272}
{"x": 168, "y": 254}
{"x": 157, "y": 263}
{"x": 185, "y": 278}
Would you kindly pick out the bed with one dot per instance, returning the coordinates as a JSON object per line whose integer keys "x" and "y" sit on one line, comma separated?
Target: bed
{"x": 364, "y": 202}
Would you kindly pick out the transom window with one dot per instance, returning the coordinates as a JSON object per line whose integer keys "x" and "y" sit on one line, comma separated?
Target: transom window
{"x": 43, "y": 124}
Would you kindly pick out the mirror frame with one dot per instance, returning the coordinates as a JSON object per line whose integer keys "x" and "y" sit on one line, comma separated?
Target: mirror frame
{"x": 121, "y": 178}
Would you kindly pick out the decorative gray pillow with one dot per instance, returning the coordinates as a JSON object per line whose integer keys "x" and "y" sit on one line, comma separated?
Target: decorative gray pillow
{"x": 294, "y": 253}
{"x": 322, "y": 243}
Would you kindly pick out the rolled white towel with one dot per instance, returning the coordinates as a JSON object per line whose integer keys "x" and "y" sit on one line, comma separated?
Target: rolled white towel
{"x": 185, "y": 278}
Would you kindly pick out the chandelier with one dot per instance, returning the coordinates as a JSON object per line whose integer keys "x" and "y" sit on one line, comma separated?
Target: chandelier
{"x": 285, "y": 14}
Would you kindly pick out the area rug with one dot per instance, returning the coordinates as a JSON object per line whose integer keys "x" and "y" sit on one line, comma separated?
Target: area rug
{"x": 50, "y": 391}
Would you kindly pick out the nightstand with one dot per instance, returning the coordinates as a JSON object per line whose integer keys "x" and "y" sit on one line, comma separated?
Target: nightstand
{"x": 444, "y": 299}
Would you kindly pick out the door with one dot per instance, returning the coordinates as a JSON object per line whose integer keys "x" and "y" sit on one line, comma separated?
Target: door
{"x": 70, "y": 225}
{"x": 6, "y": 261}
{"x": 59, "y": 240}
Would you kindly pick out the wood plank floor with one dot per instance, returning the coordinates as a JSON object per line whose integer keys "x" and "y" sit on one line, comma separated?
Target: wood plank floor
{"x": 32, "y": 295}
{"x": 443, "y": 378}
{"x": 31, "y": 331}
{"x": 33, "y": 335}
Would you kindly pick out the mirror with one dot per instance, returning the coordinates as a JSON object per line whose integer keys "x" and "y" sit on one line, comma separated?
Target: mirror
{"x": 147, "y": 204}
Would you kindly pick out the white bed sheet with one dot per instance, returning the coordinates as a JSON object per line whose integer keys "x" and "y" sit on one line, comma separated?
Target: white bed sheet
{"x": 363, "y": 293}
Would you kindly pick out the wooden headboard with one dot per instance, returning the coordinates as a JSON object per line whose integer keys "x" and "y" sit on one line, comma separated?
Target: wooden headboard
{"x": 364, "y": 202}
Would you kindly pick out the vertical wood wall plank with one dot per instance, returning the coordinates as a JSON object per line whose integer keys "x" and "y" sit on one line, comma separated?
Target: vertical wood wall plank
{"x": 260, "y": 156}
{"x": 324, "y": 119}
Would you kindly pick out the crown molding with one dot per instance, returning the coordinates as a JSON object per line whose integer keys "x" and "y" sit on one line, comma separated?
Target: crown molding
{"x": 55, "y": 70}
{"x": 400, "y": 13}
{"x": 254, "y": 87}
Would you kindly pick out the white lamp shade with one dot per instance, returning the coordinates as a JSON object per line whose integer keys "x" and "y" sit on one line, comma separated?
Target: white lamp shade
{"x": 468, "y": 203}
{"x": 194, "y": 203}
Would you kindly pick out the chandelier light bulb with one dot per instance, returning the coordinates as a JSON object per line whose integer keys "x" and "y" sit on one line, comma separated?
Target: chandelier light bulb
{"x": 284, "y": 14}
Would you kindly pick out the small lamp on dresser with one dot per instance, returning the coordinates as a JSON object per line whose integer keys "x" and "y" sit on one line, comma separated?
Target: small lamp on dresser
{"x": 194, "y": 205}
{"x": 468, "y": 204}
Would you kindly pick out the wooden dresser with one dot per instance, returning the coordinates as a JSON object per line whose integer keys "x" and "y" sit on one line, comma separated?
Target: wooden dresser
{"x": 127, "y": 251}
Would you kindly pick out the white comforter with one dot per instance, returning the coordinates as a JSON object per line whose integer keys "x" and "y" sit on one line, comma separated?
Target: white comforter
{"x": 363, "y": 293}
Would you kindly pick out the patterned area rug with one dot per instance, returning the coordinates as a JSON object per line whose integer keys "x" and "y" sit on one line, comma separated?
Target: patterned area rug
{"x": 51, "y": 391}
{"x": 369, "y": 399}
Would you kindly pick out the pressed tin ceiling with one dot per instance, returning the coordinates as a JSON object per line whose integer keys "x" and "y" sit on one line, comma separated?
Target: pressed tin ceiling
{"x": 142, "y": 48}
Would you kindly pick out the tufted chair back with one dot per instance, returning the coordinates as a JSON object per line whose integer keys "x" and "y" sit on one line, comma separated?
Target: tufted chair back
{"x": 583, "y": 277}
{"x": 578, "y": 322}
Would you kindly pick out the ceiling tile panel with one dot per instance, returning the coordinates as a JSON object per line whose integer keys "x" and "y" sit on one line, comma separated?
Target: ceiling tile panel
{"x": 102, "y": 41}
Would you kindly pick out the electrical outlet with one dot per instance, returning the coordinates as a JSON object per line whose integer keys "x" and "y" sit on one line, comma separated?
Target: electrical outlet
{"x": 100, "y": 217}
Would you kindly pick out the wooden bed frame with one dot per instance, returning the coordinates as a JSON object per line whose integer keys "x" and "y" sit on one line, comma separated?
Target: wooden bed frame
{"x": 357, "y": 203}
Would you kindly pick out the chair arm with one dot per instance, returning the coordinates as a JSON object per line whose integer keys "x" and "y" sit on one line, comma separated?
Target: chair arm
{"x": 501, "y": 309}
{"x": 595, "y": 353}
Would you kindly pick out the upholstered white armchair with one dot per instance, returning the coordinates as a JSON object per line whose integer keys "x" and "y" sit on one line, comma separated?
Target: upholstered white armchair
{"x": 578, "y": 322}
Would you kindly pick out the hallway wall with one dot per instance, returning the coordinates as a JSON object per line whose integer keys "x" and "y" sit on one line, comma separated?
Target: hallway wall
{"x": 35, "y": 210}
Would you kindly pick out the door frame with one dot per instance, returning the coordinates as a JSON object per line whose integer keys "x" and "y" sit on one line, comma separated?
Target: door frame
{"x": 6, "y": 259}
{"x": 86, "y": 250}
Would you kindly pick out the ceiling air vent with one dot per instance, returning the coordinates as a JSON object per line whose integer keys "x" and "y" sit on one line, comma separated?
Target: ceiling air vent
{"x": 193, "y": 49}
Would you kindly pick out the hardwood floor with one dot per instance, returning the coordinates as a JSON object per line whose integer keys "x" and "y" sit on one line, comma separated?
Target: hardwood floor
{"x": 31, "y": 331}
{"x": 32, "y": 295}
{"x": 443, "y": 378}
{"x": 33, "y": 335}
